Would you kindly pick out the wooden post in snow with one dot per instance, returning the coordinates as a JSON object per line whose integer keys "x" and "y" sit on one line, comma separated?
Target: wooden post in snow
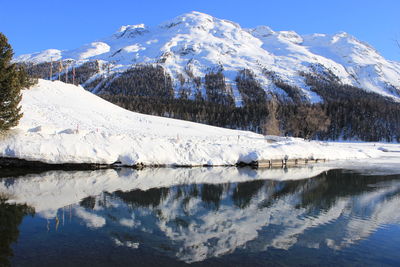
{"x": 66, "y": 73}
{"x": 51, "y": 69}
{"x": 60, "y": 68}
{"x": 73, "y": 75}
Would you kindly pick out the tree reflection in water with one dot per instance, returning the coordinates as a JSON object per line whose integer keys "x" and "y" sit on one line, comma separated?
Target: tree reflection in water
{"x": 196, "y": 222}
{"x": 11, "y": 216}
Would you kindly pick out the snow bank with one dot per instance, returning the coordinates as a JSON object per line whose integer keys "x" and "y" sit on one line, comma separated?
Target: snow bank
{"x": 63, "y": 123}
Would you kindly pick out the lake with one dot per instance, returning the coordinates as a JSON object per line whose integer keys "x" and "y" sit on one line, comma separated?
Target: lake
{"x": 315, "y": 215}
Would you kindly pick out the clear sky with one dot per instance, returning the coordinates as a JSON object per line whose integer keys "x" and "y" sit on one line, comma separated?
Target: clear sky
{"x": 35, "y": 25}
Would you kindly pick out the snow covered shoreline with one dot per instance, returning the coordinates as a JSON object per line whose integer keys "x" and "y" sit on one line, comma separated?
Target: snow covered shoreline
{"x": 64, "y": 124}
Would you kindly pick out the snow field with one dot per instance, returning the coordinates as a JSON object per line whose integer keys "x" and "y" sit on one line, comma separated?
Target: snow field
{"x": 63, "y": 123}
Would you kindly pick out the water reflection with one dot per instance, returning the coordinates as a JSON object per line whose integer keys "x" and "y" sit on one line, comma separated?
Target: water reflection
{"x": 193, "y": 221}
{"x": 11, "y": 216}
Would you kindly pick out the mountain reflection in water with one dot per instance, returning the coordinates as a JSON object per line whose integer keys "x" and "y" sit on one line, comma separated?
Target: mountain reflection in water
{"x": 197, "y": 222}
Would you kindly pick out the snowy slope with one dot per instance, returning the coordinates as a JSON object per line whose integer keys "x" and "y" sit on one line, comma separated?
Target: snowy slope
{"x": 368, "y": 68}
{"x": 63, "y": 123}
{"x": 202, "y": 43}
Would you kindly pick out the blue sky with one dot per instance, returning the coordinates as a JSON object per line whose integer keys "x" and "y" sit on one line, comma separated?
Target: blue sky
{"x": 35, "y": 25}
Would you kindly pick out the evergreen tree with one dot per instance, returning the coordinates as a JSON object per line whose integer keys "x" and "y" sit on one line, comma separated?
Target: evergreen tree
{"x": 12, "y": 79}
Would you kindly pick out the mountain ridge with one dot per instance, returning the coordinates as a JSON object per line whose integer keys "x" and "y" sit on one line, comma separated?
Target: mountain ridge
{"x": 194, "y": 44}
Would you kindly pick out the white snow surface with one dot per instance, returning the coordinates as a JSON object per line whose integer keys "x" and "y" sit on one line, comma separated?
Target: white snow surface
{"x": 202, "y": 43}
{"x": 63, "y": 123}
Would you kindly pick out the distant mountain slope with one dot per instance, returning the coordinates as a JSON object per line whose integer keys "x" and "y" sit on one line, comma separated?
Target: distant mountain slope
{"x": 193, "y": 45}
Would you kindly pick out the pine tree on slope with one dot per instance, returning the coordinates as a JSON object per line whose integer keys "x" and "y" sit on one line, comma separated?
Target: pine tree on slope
{"x": 12, "y": 80}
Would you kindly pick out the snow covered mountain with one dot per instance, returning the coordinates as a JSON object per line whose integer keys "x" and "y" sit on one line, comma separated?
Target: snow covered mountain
{"x": 194, "y": 44}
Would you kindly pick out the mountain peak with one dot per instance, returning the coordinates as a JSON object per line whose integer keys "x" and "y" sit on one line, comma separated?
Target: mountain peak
{"x": 195, "y": 15}
{"x": 193, "y": 18}
{"x": 193, "y": 44}
{"x": 129, "y": 31}
{"x": 130, "y": 27}
{"x": 261, "y": 31}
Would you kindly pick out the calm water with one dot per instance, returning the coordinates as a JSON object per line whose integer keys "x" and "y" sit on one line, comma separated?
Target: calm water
{"x": 186, "y": 217}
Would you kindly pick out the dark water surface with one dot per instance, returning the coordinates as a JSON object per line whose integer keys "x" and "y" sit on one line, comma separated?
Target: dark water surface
{"x": 105, "y": 218}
